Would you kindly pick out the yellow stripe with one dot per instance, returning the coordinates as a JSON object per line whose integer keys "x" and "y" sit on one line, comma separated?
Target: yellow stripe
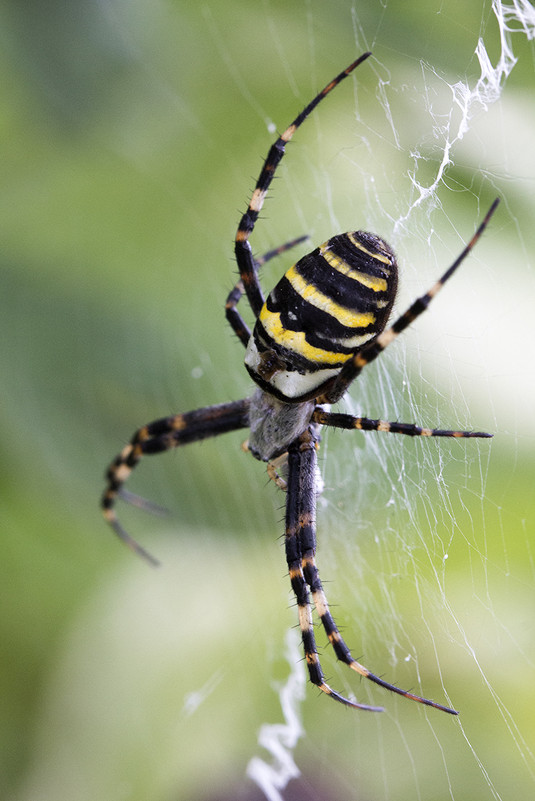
{"x": 353, "y": 342}
{"x": 370, "y": 281}
{"x": 296, "y": 342}
{"x": 312, "y": 295}
{"x": 383, "y": 259}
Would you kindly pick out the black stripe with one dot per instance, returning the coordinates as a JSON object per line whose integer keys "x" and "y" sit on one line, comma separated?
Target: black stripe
{"x": 342, "y": 246}
{"x": 309, "y": 642}
{"x": 293, "y": 361}
{"x": 319, "y": 327}
{"x": 343, "y": 289}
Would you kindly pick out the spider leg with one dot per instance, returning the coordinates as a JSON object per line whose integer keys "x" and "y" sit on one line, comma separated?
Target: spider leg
{"x": 300, "y": 515}
{"x": 234, "y": 318}
{"x": 141, "y": 503}
{"x": 347, "y": 421}
{"x": 158, "y": 436}
{"x": 273, "y": 469}
{"x": 244, "y": 256}
{"x": 272, "y": 254}
{"x": 306, "y": 448}
{"x": 371, "y": 350}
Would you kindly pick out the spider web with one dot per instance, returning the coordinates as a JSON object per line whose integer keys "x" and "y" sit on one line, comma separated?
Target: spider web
{"x": 422, "y": 489}
{"x": 172, "y": 683}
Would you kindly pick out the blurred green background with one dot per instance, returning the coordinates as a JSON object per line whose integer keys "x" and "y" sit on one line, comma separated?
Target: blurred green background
{"x": 132, "y": 133}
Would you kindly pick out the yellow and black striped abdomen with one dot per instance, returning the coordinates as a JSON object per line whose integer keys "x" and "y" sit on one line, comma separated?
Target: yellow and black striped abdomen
{"x": 322, "y": 311}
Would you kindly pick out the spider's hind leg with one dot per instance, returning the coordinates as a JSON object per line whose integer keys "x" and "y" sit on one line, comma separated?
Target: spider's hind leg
{"x": 301, "y": 549}
{"x": 300, "y": 519}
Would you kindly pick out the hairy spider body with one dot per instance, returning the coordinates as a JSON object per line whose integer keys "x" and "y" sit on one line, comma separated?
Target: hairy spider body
{"x": 318, "y": 328}
{"x": 275, "y": 424}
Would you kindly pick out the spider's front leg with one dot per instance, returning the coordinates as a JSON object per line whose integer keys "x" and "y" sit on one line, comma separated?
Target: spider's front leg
{"x": 159, "y": 436}
{"x": 232, "y": 314}
{"x": 242, "y": 247}
{"x": 300, "y": 553}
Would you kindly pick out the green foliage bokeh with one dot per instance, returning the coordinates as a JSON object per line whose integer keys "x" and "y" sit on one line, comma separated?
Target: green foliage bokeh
{"x": 131, "y": 133}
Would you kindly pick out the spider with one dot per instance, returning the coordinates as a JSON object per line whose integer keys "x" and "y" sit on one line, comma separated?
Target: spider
{"x": 318, "y": 328}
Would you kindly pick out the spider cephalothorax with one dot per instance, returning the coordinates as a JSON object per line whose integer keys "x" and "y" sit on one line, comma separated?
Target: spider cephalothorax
{"x": 318, "y": 328}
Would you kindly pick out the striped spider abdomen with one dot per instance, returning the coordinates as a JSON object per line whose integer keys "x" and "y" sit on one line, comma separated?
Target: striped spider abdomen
{"x": 323, "y": 310}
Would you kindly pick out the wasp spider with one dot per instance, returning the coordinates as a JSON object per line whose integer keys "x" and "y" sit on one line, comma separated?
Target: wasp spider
{"x": 318, "y": 328}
